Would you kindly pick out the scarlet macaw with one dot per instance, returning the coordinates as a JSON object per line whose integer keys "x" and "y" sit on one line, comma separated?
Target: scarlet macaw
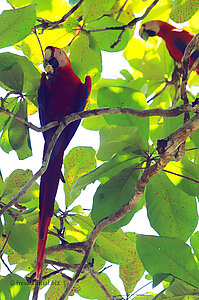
{"x": 176, "y": 39}
{"x": 60, "y": 93}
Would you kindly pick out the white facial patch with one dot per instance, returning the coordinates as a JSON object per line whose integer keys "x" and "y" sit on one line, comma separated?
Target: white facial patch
{"x": 61, "y": 57}
{"x": 48, "y": 54}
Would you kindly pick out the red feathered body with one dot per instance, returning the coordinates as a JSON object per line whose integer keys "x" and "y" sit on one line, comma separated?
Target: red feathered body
{"x": 59, "y": 95}
{"x": 176, "y": 39}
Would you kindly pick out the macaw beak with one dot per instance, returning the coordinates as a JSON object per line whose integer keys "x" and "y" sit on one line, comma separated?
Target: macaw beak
{"x": 146, "y": 33}
{"x": 50, "y": 62}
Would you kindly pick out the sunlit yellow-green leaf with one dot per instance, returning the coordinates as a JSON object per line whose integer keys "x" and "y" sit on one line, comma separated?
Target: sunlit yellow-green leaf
{"x": 57, "y": 38}
{"x": 160, "y": 11}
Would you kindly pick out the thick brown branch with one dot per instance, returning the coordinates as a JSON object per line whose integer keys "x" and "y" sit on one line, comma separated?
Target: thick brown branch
{"x": 171, "y": 112}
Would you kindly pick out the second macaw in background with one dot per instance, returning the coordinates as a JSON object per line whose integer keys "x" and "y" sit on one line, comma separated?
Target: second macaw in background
{"x": 60, "y": 93}
{"x": 176, "y": 39}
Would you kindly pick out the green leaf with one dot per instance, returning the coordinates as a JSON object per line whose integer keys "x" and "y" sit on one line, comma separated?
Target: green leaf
{"x": 179, "y": 289}
{"x": 189, "y": 170}
{"x": 95, "y": 9}
{"x": 170, "y": 125}
{"x": 168, "y": 255}
{"x": 31, "y": 74}
{"x": 131, "y": 269}
{"x": 22, "y": 239}
{"x": 90, "y": 289}
{"x": 14, "y": 287}
{"x": 84, "y": 59}
{"x": 106, "y": 38}
{"x": 104, "y": 172}
{"x": 114, "y": 139}
{"x": 97, "y": 122}
{"x": 10, "y": 105}
{"x": 17, "y": 130}
{"x": 112, "y": 195}
{"x": 16, "y": 24}
{"x": 125, "y": 97}
{"x": 183, "y": 10}
{"x": 79, "y": 161}
{"x": 123, "y": 252}
{"x": 15, "y": 182}
{"x": 171, "y": 212}
{"x": 194, "y": 240}
{"x": 13, "y": 77}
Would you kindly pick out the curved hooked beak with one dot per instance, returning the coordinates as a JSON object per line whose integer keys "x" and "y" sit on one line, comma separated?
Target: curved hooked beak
{"x": 146, "y": 33}
{"x": 50, "y": 62}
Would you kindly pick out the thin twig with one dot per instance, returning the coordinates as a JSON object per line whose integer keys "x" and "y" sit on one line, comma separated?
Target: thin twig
{"x": 48, "y": 24}
{"x": 179, "y": 175}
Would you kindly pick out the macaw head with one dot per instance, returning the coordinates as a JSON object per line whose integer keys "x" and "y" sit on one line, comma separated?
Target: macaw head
{"x": 55, "y": 58}
{"x": 150, "y": 28}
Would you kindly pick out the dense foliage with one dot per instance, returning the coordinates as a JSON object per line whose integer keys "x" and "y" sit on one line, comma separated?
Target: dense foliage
{"x": 128, "y": 146}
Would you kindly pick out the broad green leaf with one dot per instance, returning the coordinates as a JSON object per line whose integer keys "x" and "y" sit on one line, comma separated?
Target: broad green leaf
{"x": 105, "y": 172}
{"x": 179, "y": 289}
{"x": 106, "y": 38}
{"x": 170, "y": 125}
{"x": 123, "y": 252}
{"x": 194, "y": 240}
{"x": 125, "y": 97}
{"x": 57, "y": 287}
{"x": 16, "y": 24}
{"x": 131, "y": 269}
{"x": 17, "y": 130}
{"x": 10, "y": 105}
{"x": 97, "y": 122}
{"x": 189, "y": 170}
{"x": 22, "y": 239}
{"x": 90, "y": 289}
{"x": 95, "y": 9}
{"x": 112, "y": 195}
{"x": 31, "y": 74}
{"x": 31, "y": 194}
{"x": 85, "y": 58}
{"x": 13, "y": 77}
{"x": 168, "y": 255}
{"x": 114, "y": 139}
{"x": 183, "y": 10}
{"x": 79, "y": 161}
{"x": 15, "y": 182}
{"x": 4, "y": 140}
{"x": 14, "y": 287}
{"x": 171, "y": 212}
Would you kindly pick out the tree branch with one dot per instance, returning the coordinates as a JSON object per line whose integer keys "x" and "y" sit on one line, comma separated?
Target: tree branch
{"x": 173, "y": 141}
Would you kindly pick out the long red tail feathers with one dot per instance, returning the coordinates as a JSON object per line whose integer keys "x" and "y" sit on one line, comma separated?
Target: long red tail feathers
{"x": 41, "y": 247}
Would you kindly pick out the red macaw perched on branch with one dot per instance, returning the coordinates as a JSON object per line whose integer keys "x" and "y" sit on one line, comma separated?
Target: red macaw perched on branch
{"x": 60, "y": 93}
{"x": 176, "y": 39}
